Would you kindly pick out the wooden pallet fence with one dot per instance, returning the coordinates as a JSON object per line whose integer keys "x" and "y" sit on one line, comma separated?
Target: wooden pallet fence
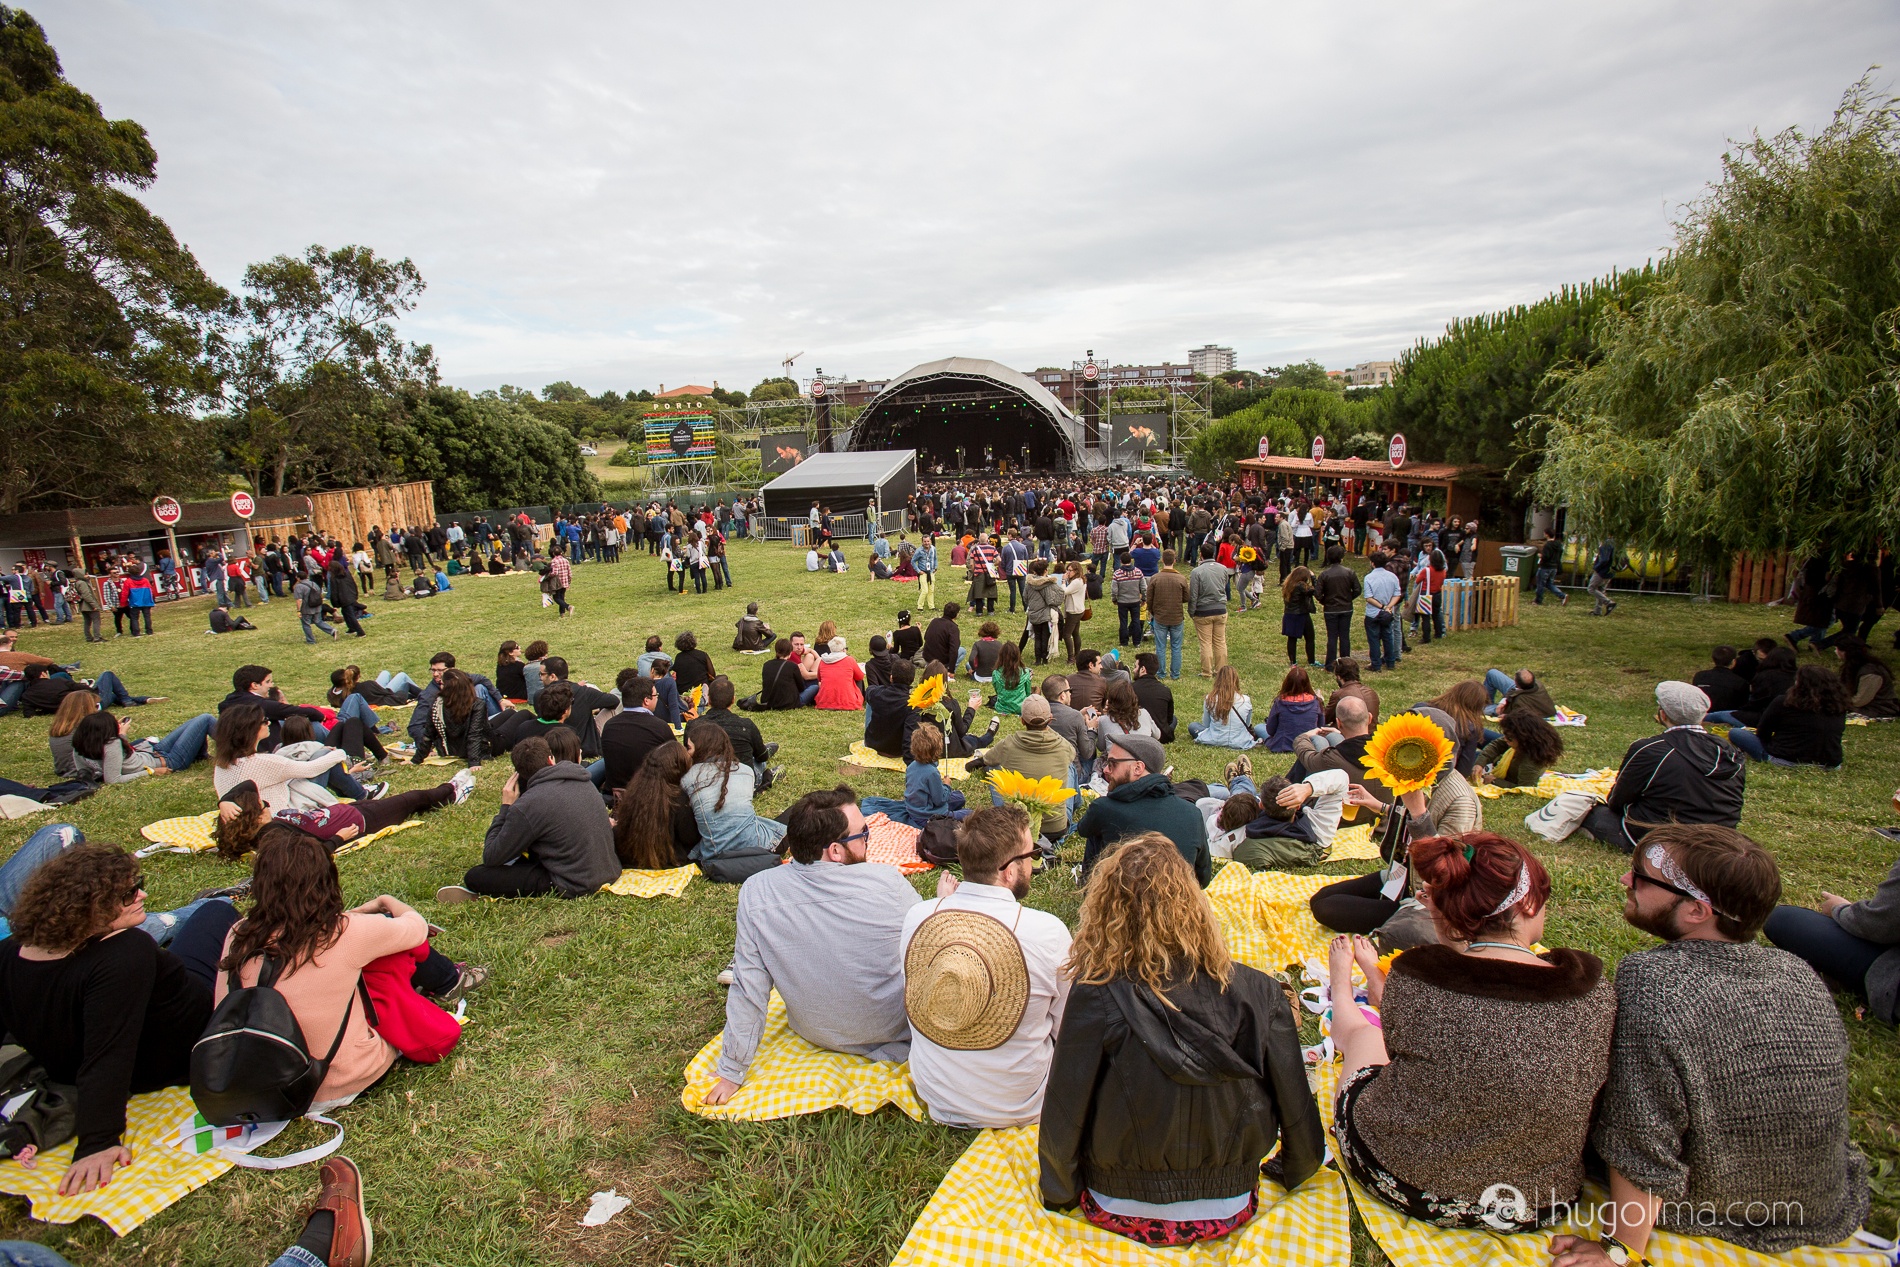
{"x": 348, "y": 514}
{"x": 1489, "y": 602}
{"x": 1758, "y": 578}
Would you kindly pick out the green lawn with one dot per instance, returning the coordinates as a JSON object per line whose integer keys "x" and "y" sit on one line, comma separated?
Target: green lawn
{"x": 567, "y": 1081}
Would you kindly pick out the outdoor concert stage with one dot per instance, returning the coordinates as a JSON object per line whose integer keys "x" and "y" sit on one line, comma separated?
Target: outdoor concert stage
{"x": 975, "y": 416}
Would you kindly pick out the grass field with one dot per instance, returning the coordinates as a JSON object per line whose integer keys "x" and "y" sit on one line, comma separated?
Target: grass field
{"x": 567, "y": 1081}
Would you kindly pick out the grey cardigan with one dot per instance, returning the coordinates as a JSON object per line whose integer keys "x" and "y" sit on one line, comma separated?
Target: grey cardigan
{"x": 1877, "y": 919}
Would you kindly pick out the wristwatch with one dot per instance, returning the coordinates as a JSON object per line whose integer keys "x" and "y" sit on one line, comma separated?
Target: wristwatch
{"x": 1617, "y": 1252}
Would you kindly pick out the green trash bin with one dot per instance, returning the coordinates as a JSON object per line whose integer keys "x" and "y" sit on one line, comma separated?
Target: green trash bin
{"x": 1521, "y": 562}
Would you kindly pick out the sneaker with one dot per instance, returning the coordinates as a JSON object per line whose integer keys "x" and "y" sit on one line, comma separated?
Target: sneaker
{"x": 471, "y": 978}
{"x": 1890, "y": 833}
{"x": 376, "y": 791}
{"x": 236, "y": 891}
{"x": 771, "y": 750}
{"x": 464, "y": 784}
{"x": 385, "y": 729}
{"x": 455, "y": 895}
{"x": 773, "y": 773}
{"x": 1241, "y": 766}
{"x": 352, "y": 1240}
{"x": 725, "y": 976}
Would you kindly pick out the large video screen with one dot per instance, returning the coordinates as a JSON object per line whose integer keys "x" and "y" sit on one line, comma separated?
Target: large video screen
{"x": 1138, "y": 438}
{"x": 780, "y": 451}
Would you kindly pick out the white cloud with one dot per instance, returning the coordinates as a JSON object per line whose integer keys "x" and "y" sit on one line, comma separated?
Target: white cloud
{"x": 624, "y": 196}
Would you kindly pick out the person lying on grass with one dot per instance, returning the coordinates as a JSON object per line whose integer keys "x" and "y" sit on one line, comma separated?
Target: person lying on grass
{"x": 824, "y": 932}
{"x": 242, "y": 815}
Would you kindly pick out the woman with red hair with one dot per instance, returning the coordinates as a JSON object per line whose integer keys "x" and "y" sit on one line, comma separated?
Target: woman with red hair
{"x": 1484, "y": 1039}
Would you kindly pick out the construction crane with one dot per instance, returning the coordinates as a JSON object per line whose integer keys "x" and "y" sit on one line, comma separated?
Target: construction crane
{"x": 787, "y": 362}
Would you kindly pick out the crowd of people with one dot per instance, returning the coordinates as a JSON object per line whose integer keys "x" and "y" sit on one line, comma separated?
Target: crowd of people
{"x": 1159, "y": 1070}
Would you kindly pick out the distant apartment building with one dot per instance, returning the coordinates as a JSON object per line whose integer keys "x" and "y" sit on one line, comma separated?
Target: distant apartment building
{"x": 1371, "y": 373}
{"x": 1210, "y": 360}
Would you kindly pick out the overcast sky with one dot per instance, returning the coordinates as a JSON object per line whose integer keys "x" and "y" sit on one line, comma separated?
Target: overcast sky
{"x": 627, "y": 195}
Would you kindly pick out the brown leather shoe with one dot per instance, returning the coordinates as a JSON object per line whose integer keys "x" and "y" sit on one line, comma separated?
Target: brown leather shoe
{"x": 352, "y": 1241}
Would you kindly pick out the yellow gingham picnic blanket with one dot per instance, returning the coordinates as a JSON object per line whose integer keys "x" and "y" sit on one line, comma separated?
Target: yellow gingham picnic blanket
{"x": 1351, "y": 844}
{"x": 789, "y": 1076}
{"x": 1598, "y": 782}
{"x": 988, "y": 1210}
{"x": 952, "y": 768}
{"x": 669, "y": 883}
{"x": 159, "y": 1174}
{"x": 193, "y": 832}
{"x": 1265, "y": 917}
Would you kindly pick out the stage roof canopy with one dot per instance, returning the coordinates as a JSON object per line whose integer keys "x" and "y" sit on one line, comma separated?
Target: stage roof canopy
{"x": 971, "y": 403}
{"x": 844, "y": 482}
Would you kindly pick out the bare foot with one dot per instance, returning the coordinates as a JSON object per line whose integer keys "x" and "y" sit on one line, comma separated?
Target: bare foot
{"x": 1339, "y": 969}
{"x": 1366, "y": 955}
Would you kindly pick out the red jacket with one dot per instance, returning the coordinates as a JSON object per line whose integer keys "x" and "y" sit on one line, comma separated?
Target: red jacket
{"x": 408, "y": 1022}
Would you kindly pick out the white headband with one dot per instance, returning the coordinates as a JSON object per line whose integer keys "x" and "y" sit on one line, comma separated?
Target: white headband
{"x": 1659, "y": 858}
{"x": 1518, "y": 891}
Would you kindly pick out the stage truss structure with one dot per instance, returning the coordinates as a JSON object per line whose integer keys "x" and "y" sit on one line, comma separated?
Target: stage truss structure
{"x": 1187, "y": 407}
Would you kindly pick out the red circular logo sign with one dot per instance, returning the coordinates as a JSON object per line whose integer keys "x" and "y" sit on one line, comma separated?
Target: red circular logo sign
{"x": 1089, "y": 371}
{"x": 167, "y": 511}
{"x": 1395, "y": 451}
{"x": 817, "y": 388}
{"x": 1266, "y": 447}
{"x": 1319, "y": 448}
{"x": 243, "y": 505}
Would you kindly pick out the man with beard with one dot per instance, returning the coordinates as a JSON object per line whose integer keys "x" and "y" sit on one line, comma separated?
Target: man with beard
{"x": 979, "y": 1054}
{"x": 1726, "y": 1112}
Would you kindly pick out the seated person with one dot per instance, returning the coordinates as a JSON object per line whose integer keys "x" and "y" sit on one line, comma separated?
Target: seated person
{"x": 1751, "y": 658}
{"x": 748, "y": 741}
{"x": 1768, "y": 684}
{"x": 93, "y": 998}
{"x": 840, "y": 679}
{"x": 667, "y": 705}
{"x": 1071, "y": 725}
{"x": 1086, "y": 685}
{"x": 242, "y": 815}
{"x": 1346, "y": 673}
{"x": 1141, "y": 798}
{"x": 320, "y": 948}
{"x": 1010, "y": 681}
{"x": 984, "y": 650}
{"x": 1702, "y": 784}
{"x": 655, "y": 650}
{"x": 1343, "y": 748}
{"x": 441, "y": 579}
{"x": 1866, "y": 678}
{"x": 721, "y": 789}
{"x": 877, "y": 669}
{"x": 1037, "y": 752}
{"x": 490, "y": 695}
{"x": 1226, "y": 714}
{"x": 551, "y": 834}
{"x": 925, "y": 796}
{"x": 943, "y": 639}
{"x": 587, "y": 701}
{"x": 824, "y": 932}
{"x": 1710, "y": 1156}
{"x": 102, "y": 752}
{"x": 454, "y": 723}
{"x": 1725, "y": 688}
{"x": 780, "y": 682}
{"x": 834, "y": 561}
{"x": 885, "y": 724}
{"x": 654, "y": 827}
{"x": 309, "y": 778}
{"x": 511, "y": 679}
{"x": 1804, "y": 726}
{"x": 1522, "y": 691}
{"x": 1154, "y": 694}
{"x": 1120, "y": 713}
{"x": 422, "y": 586}
{"x": 252, "y": 685}
{"x": 1542, "y": 1022}
{"x": 1296, "y": 709}
{"x": 1367, "y": 904}
{"x": 1525, "y": 748}
{"x": 632, "y": 733}
{"x": 552, "y": 707}
{"x": 385, "y": 690}
{"x": 223, "y": 621}
{"x": 957, "y": 740}
{"x": 981, "y": 1040}
{"x": 753, "y": 633}
{"x": 907, "y": 640}
{"x": 878, "y": 568}
{"x": 1165, "y": 1092}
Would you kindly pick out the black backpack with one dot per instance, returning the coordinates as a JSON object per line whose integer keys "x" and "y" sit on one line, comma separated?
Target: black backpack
{"x": 46, "y": 1114}
{"x": 251, "y": 1065}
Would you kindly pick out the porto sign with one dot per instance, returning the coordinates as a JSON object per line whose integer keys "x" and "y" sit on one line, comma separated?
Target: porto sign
{"x": 1395, "y": 451}
{"x": 1266, "y": 448}
{"x": 1319, "y": 448}
{"x": 167, "y": 511}
{"x": 243, "y": 505}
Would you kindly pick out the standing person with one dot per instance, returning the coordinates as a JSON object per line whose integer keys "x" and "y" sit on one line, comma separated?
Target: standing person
{"x": 985, "y": 566}
{"x": 1600, "y": 573}
{"x": 1296, "y": 616}
{"x": 1130, "y": 589}
{"x": 83, "y": 594}
{"x": 925, "y": 561}
{"x": 1338, "y": 587}
{"x": 561, "y": 575}
{"x": 1075, "y": 602}
{"x": 1167, "y": 608}
{"x": 1385, "y": 594}
{"x": 343, "y": 594}
{"x": 309, "y": 596}
{"x": 1207, "y": 603}
{"x": 135, "y": 593}
{"x": 1550, "y": 556}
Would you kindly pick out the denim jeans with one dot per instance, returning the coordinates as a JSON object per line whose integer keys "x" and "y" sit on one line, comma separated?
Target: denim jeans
{"x": 1338, "y": 635}
{"x": 10, "y": 694}
{"x": 48, "y": 843}
{"x": 356, "y": 706}
{"x": 34, "y": 1254}
{"x": 808, "y": 695}
{"x": 1168, "y": 641}
{"x": 1828, "y": 948}
{"x": 112, "y": 692}
{"x": 1722, "y": 717}
{"x": 186, "y": 744}
{"x": 1546, "y": 584}
{"x": 1130, "y": 632}
{"x": 1016, "y": 593}
{"x": 1241, "y": 783}
{"x": 1497, "y": 682}
{"x": 1385, "y": 641}
{"x": 1813, "y": 633}
{"x": 491, "y": 700}
{"x": 398, "y": 682}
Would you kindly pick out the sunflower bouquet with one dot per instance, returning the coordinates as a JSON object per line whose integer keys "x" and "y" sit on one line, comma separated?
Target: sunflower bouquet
{"x": 1035, "y": 797}
{"x": 1406, "y": 753}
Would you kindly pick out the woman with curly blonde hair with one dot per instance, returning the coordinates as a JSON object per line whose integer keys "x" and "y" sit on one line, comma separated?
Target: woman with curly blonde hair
{"x": 1176, "y": 1070}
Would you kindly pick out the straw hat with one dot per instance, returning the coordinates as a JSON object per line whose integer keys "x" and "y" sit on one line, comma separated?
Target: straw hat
{"x": 966, "y": 985}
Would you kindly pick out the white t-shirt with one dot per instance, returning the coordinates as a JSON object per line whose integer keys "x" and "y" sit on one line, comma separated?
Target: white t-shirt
{"x": 1003, "y": 1086}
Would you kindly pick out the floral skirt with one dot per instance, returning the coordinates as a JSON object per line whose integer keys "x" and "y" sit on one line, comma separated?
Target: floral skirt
{"x": 1167, "y": 1231}
{"x": 1413, "y": 1202}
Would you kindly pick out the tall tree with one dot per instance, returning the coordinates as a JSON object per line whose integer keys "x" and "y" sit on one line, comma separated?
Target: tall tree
{"x": 1751, "y": 401}
{"x": 107, "y": 324}
{"x": 318, "y": 367}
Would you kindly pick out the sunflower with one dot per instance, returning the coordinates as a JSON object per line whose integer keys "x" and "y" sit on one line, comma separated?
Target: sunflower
{"x": 927, "y": 693}
{"x": 1035, "y": 797}
{"x": 1406, "y": 753}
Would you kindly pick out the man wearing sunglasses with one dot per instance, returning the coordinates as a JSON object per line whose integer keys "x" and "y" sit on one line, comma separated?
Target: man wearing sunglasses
{"x": 1726, "y": 1110}
{"x": 824, "y": 933}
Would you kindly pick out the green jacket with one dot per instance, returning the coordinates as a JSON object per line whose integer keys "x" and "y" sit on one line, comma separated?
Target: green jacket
{"x": 1147, "y": 804}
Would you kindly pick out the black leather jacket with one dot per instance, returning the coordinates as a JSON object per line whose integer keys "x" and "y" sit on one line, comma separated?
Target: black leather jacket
{"x": 1151, "y": 1104}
